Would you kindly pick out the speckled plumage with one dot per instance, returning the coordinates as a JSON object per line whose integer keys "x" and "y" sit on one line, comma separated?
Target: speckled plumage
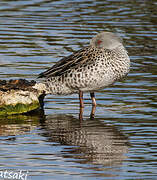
{"x": 92, "y": 68}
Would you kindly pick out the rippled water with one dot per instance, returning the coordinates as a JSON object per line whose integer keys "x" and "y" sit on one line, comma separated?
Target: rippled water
{"x": 121, "y": 142}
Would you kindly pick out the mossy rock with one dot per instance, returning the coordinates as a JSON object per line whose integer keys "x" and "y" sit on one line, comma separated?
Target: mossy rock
{"x": 18, "y": 108}
{"x": 19, "y": 96}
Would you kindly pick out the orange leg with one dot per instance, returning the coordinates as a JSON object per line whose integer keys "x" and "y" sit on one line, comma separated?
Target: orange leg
{"x": 81, "y": 114}
{"x": 81, "y": 99}
{"x": 92, "y": 95}
{"x": 93, "y": 105}
{"x": 81, "y": 105}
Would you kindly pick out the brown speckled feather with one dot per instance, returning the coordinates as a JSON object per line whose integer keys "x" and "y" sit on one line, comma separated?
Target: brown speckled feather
{"x": 66, "y": 63}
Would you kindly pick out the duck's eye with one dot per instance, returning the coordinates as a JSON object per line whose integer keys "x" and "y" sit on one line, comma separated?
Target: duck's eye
{"x": 99, "y": 42}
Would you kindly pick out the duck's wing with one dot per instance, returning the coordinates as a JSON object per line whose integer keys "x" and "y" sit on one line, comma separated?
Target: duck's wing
{"x": 66, "y": 63}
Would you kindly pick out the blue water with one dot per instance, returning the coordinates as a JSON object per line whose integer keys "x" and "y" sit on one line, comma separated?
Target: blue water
{"x": 121, "y": 142}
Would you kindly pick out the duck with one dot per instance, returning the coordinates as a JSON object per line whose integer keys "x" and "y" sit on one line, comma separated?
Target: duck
{"x": 94, "y": 67}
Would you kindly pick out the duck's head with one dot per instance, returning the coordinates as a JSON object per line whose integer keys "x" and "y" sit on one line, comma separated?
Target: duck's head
{"x": 106, "y": 40}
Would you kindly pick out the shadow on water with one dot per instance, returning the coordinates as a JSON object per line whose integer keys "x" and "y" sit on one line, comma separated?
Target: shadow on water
{"x": 89, "y": 141}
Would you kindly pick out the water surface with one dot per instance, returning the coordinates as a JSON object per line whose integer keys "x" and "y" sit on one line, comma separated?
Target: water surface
{"x": 120, "y": 143}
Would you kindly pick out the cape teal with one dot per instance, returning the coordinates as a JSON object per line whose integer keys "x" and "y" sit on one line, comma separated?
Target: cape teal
{"x": 100, "y": 64}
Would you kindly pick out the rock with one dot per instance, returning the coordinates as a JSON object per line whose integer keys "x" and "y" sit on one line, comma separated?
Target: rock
{"x": 19, "y": 96}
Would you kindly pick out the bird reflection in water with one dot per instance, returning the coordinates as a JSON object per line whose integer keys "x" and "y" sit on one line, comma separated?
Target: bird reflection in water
{"x": 92, "y": 141}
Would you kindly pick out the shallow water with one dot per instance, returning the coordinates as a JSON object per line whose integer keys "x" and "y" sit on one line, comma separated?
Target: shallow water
{"x": 121, "y": 142}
